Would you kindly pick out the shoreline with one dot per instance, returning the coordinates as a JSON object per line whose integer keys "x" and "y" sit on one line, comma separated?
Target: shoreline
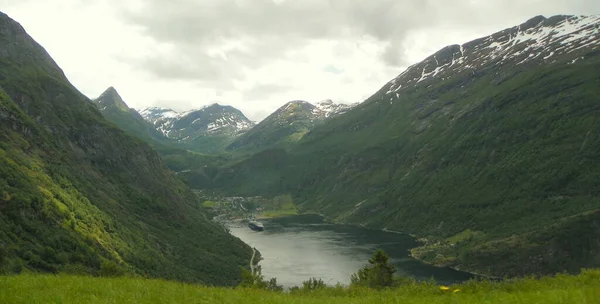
{"x": 385, "y": 229}
{"x": 453, "y": 267}
{"x": 410, "y": 254}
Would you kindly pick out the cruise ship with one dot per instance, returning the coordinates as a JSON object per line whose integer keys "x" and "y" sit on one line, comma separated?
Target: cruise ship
{"x": 256, "y": 225}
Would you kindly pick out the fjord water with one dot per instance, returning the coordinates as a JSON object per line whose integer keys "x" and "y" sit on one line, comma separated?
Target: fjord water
{"x": 297, "y": 248}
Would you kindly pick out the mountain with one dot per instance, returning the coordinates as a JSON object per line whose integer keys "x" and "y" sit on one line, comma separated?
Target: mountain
{"x": 208, "y": 129}
{"x": 174, "y": 153}
{"x": 328, "y": 108}
{"x": 288, "y": 124}
{"x": 79, "y": 196}
{"x": 115, "y": 110}
{"x": 487, "y": 151}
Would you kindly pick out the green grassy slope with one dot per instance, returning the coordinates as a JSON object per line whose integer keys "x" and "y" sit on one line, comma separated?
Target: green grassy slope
{"x": 77, "y": 195}
{"x": 584, "y": 288}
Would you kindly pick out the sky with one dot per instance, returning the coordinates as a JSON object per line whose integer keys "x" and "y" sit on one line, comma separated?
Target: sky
{"x": 256, "y": 55}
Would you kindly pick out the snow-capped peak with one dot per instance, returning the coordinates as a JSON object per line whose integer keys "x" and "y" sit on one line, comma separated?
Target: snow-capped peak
{"x": 212, "y": 119}
{"x": 154, "y": 113}
{"x": 329, "y": 108}
{"x": 539, "y": 39}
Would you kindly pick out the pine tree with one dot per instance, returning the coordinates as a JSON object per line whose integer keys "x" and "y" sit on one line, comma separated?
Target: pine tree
{"x": 378, "y": 274}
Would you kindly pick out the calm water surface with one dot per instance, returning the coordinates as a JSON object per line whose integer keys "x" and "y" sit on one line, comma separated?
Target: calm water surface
{"x": 297, "y": 248}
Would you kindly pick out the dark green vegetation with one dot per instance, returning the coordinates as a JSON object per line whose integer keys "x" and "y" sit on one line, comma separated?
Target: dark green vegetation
{"x": 178, "y": 156}
{"x": 495, "y": 167}
{"x": 514, "y": 161}
{"x": 584, "y": 288}
{"x": 79, "y": 196}
{"x": 378, "y": 274}
{"x": 285, "y": 126}
{"x": 255, "y": 280}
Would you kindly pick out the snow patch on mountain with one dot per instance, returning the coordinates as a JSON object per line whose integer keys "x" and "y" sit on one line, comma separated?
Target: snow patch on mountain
{"x": 539, "y": 38}
{"x": 329, "y": 108}
{"x": 212, "y": 119}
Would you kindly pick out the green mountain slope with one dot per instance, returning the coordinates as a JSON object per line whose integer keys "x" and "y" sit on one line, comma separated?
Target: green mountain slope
{"x": 77, "y": 195}
{"x": 287, "y": 125}
{"x": 115, "y": 110}
{"x": 488, "y": 150}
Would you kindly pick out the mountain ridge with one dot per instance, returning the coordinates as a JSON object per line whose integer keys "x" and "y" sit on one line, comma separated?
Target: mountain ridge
{"x": 532, "y": 35}
{"x": 288, "y": 124}
{"x": 168, "y": 121}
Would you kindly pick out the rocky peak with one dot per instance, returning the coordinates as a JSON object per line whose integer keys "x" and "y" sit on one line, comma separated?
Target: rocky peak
{"x": 531, "y": 23}
{"x": 296, "y": 105}
{"x": 111, "y": 99}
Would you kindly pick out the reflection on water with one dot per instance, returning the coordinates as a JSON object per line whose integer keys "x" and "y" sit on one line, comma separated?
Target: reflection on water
{"x": 300, "y": 247}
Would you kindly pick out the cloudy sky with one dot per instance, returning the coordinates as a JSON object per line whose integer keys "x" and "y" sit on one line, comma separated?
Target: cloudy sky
{"x": 257, "y": 54}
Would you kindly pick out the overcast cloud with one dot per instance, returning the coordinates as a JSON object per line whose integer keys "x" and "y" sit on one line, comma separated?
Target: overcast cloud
{"x": 257, "y": 54}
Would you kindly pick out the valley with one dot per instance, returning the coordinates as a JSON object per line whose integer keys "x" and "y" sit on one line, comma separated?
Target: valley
{"x": 480, "y": 159}
{"x": 483, "y": 151}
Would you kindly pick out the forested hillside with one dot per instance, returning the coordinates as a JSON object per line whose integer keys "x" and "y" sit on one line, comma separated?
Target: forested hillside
{"x": 77, "y": 195}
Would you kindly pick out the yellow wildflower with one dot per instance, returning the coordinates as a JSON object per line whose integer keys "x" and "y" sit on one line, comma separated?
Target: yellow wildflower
{"x": 444, "y": 288}
{"x": 456, "y": 290}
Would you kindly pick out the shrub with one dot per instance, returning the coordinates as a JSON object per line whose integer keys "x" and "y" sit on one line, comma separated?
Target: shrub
{"x": 110, "y": 269}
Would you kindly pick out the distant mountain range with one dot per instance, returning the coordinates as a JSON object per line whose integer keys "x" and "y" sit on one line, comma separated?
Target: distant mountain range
{"x": 215, "y": 128}
{"x": 211, "y": 120}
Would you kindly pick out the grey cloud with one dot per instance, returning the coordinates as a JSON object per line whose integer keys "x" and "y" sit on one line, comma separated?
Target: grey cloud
{"x": 255, "y": 114}
{"x": 392, "y": 54}
{"x": 274, "y": 30}
{"x": 187, "y": 22}
{"x": 186, "y": 69}
{"x": 262, "y": 91}
{"x": 332, "y": 69}
{"x": 210, "y": 19}
{"x": 214, "y": 74}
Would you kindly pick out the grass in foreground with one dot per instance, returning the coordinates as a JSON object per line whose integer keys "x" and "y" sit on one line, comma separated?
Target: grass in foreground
{"x": 584, "y": 288}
